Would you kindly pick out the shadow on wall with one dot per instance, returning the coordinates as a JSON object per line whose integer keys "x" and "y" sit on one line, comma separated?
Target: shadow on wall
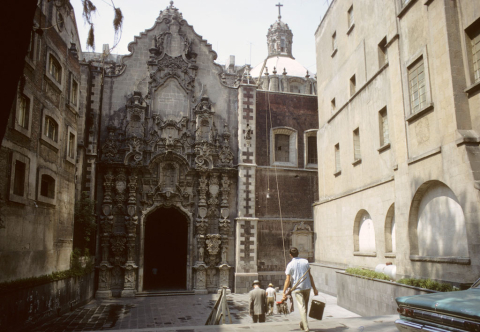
{"x": 437, "y": 232}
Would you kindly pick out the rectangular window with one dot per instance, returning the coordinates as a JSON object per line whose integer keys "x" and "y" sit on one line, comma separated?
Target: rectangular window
{"x": 350, "y": 17}
{"x": 47, "y": 186}
{"x": 282, "y": 44}
{"x": 334, "y": 41}
{"x": 312, "y": 150}
{"x": 74, "y": 92}
{"x": 416, "y": 80}
{"x": 382, "y": 52}
{"x": 476, "y": 54}
{"x": 55, "y": 69}
{"x": 19, "y": 178}
{"x": 31, "y": 46}
{"x": 23, "y": 114}
{"x": 334, "y": 107}
{"x": 71, "y": 146}
{"x": 353, "y": 85}
{"x": 337, "y": 158}
{"x": 282, "y": 147}
{"x": 356, "y": 145}
{"x": 51, "y": 128}
{"x": 383, "y": 124}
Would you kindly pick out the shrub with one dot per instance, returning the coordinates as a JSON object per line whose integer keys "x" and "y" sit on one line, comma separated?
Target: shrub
{"x": 420, "y": 283}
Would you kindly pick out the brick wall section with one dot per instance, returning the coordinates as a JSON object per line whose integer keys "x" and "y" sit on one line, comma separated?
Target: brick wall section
{"x": 298, "y": 191}
{"x": 299, "y": 112}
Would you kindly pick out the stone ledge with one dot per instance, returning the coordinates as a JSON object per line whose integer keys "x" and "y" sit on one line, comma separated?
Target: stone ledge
{"x": 334, "y": 52}
{"x": 406, "y": 8}
{"x": 350, "y": 29}
{"x": 391, "y": 178}
{"x": 424, "y": 155}
{"x": 364, "y": 254}
{"x": 383, "y": 148}
{"x": 472, "y": 88}
{"x": 441, "y": 259}
{"x": 357, "y": 162}
{"x": 414, "y": 116}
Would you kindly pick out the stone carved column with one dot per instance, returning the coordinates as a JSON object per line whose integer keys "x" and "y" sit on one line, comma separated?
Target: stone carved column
{"x": 131, "y": 222}
{"x": 201, "y": 279}
{"x": 106, "y": 229}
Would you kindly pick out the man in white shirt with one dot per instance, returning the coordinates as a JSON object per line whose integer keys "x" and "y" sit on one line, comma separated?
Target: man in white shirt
{"x": 298, "y": 272}
{"x": 271, "y": 297}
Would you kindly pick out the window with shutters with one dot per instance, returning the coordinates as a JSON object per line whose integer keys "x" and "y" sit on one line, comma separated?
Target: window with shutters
{"x": 356, "y": 145}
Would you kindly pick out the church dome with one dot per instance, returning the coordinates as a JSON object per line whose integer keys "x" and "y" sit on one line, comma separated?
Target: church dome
{"x": 281, "y": 64}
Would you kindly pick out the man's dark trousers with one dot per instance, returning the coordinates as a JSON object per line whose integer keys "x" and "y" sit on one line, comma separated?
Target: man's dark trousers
{"x": 259, "y": 318}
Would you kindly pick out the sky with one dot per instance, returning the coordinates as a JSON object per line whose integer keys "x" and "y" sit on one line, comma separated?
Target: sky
{"x": 232, "y": 27}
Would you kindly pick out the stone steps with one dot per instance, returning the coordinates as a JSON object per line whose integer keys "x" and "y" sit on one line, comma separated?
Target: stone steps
{"x": 164, "y": 293}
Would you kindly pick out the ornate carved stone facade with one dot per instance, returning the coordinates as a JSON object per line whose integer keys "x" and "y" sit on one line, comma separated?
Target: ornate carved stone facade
{"x": 173, "y": 134}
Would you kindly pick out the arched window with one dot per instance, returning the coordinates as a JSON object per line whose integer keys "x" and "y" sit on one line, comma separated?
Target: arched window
{"x": 364, "y": 233}
{"x": 437, "y": 221}
{"x": 390, "y": 239}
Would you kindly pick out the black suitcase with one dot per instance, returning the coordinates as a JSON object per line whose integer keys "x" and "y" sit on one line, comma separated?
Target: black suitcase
{"x": 316, "y": 309}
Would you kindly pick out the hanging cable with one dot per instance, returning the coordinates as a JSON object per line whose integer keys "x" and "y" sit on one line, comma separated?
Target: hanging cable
{"x": 278, "y": 191}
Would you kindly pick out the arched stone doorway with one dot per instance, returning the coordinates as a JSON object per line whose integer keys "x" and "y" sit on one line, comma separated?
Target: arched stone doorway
{"x": 165, "y": 250}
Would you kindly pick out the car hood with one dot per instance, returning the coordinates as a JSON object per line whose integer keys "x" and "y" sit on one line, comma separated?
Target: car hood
{"x": 465, "y": 304}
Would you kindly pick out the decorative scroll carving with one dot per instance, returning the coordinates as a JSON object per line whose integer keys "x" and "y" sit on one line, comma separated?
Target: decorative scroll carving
{"x": 110, "y": 148}
{"x": 213, "y": 247}
{"x": 118, "y": 241}
{"x": 225, "y": 190}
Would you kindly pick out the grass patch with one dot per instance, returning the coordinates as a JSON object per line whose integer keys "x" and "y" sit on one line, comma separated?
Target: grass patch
{"x": 421, "y": 283}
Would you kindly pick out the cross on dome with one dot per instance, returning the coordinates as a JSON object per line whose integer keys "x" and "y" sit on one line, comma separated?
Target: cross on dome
{"x": 279, "y": 5}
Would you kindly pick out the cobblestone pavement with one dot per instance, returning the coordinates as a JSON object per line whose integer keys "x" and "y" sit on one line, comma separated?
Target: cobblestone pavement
{"x": 168, "y": 312}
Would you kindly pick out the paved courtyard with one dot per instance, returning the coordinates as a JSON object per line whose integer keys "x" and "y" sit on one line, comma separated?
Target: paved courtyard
{"x": 170, "y": 312}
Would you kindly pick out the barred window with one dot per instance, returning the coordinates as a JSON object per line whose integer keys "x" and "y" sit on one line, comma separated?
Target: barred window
{"x": 416, "y": 80}
{"x": 476, "y": 55}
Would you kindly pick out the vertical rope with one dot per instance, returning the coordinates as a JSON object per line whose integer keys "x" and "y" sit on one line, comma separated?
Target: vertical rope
{"x": 278, "y": 191}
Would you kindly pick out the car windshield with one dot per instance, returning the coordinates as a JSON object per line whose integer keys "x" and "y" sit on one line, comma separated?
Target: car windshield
{"x": 476, "y": 284}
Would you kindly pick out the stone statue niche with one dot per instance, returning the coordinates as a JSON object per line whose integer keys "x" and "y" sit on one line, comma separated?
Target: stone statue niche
{"x": 302, "y": 239}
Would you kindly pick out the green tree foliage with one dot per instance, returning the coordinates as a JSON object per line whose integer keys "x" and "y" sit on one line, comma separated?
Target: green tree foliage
{"x": 84, "y": 223}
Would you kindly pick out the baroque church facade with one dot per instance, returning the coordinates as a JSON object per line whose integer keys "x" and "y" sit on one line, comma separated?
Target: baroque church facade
{"x": 179, "y": 158}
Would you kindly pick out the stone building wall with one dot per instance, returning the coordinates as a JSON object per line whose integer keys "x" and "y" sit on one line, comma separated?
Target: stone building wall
{"x": 37, "y": 229}
{"x": 415, "y": 176}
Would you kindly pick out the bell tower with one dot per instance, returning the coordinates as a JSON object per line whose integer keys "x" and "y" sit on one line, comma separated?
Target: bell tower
{"x": 279, "y": 37}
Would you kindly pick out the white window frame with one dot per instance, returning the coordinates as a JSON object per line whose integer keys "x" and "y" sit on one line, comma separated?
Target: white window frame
{"x": 44, "y": 137}
{"x": 50, "y": 76}
{"x": 293, "y": 146}
{"x": 12, "y": 196}
{"x": 45, "y": 199}
{"x": 25, "y": 131}
{"x": 306, "y": 135}
{"x": 71, "y": 130}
